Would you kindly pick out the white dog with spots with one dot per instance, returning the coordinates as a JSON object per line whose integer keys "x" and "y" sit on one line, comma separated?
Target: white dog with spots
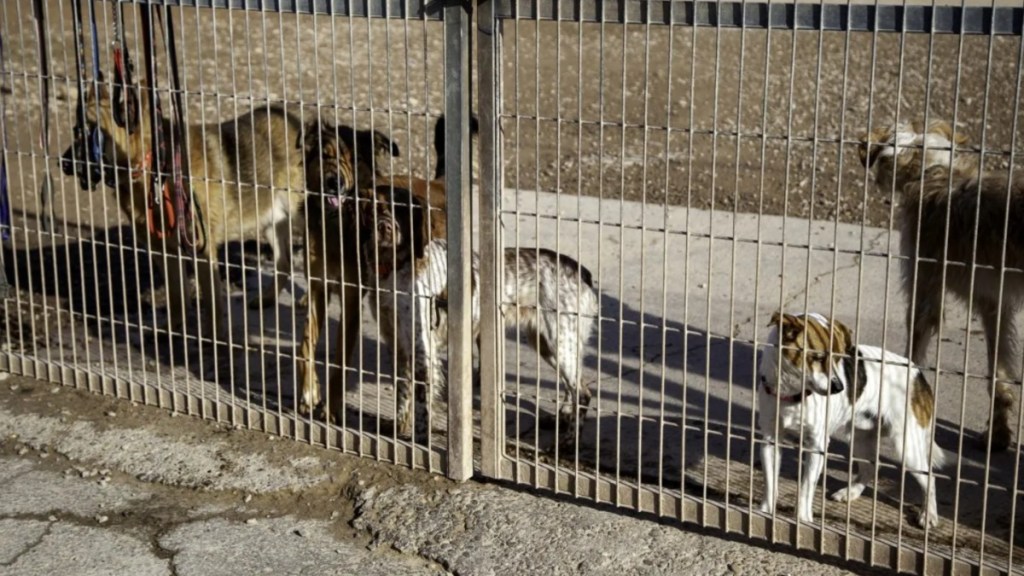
{"x": 815, "y": 384}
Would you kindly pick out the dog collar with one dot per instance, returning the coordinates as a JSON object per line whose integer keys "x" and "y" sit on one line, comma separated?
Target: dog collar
{"x": 791, "y": 399}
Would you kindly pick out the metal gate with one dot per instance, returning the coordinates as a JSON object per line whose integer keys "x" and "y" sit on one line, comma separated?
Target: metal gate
{"x": 701, "y": 159}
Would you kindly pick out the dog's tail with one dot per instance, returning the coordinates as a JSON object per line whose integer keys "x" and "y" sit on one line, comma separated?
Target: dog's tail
{"x": 939, "y": 457}
{"x": 439, "y": 141}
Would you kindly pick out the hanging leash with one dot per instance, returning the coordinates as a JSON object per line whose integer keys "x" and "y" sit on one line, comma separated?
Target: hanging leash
{"x": 126, "y": 98}
{"x": 88, "y": 142}
{"x": 46, "y": 189}
{"x": 5, "y": 203}
{"x": 190, "y": 235}
{"x": 160, "y": 214}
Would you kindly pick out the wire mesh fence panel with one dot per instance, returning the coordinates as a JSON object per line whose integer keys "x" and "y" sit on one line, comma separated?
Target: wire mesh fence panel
{"x": 208, "y": 239}
{"x": 710, "y": 237}
{"x": 700, "y": 166}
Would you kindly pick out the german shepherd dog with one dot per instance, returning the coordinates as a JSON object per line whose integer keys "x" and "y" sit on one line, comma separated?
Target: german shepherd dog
{"x": 246, "y": 178}
{"x": 952, "y": 224}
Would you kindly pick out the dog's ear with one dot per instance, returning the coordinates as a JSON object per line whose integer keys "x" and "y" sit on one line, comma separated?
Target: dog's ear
{"x": 842, "y": 337}
{"x": 944, "y": 128}
{"x": 310, "y": 137}
{"x": 97, "y": 93}
{"x": 873, "y": 144}
{"x": 781, "y": 319}
{"x": 383, "y": 145}
{"x": 868, "y": 151}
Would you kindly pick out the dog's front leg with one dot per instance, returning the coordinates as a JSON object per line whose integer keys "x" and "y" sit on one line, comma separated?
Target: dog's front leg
{"x": 214, "y": 304}
{"x": 316, "y": 311}
{"x": 177, "y": 290}
{"x": 815, "y": 463}
{"x": 770, "y": 465}
{"x": 427, "y": 362}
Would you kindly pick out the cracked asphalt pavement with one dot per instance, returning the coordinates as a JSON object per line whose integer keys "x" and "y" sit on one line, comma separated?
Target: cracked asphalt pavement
{"x": 116, "y": 488}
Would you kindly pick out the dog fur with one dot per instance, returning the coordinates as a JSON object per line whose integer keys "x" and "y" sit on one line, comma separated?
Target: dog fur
{"x": 936, "y": 183}
{"x": 337, "y": 159}
{"x": 816, "y": 384}
{"x": 246, "y": 178}
{"x": 550, "y": 297}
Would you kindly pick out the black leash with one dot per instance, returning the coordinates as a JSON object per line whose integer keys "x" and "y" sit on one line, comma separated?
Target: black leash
{"x": 88, "y": 142}
{"x": 190, "y": 235}
{"x": 5, "y": 204}
{"x": 46, "y": 190}
{"x": 156, "y": 209}
{"x": 170, "y": 205}
{"x": 126, "y": 98}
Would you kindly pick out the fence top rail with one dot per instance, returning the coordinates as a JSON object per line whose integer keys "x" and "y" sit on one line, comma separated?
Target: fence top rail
{"x": 397, "y": 9}
{"x": 945, "y": 17}
{"x": 987, "y": 17}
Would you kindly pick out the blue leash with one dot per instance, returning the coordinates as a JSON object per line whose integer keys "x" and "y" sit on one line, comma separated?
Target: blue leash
{"x": 96, "y": 137}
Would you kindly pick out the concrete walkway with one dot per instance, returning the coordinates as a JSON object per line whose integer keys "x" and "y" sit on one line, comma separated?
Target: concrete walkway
{"x": 90, "y": 485}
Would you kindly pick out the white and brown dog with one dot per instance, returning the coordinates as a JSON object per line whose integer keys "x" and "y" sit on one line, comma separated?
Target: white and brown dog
{"x": 551, "y": 297}
{"x": 961, "y": 232}
{"x": 816, "y": 385}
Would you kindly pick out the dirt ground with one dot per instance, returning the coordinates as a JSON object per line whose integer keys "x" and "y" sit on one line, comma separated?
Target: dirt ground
{"x": 731, "y": 120}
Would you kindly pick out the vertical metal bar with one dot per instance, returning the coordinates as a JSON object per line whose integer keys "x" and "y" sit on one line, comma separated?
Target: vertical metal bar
{"x": 457, "y": 185}
{"x": 492, "y": 424}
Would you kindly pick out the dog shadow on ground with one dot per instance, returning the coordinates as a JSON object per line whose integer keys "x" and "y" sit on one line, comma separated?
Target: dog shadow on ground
{"x": 656, "y": 425}
{"x": 666, "y": 428}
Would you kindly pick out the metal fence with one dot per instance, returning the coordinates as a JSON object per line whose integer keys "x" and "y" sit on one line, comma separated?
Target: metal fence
{"x": 653, "y": 181}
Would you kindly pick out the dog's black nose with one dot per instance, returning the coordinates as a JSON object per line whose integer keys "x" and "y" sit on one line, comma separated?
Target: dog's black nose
{"x": 835, "y": 386}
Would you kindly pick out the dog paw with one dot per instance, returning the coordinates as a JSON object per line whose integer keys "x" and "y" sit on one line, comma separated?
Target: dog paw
{"x": 320, "y": 413}
{"x": 766, "y": 507}
{"x": 926, "y": 519}
{"x": 848, "y": 494}
{"x": 305, "y": 408}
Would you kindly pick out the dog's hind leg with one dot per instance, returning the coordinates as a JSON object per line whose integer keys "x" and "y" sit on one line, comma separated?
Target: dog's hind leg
{"x": 175, "y": 271}
{"x": 341, "y": 378}
{"x": 214, "y": 304}
{"x": 562, "y": 356}
{"x": 914, "y": 454}
{"x": 865, "y": 453}
{"x": 924, "y": 316}
{"x": 1001, "y": 353}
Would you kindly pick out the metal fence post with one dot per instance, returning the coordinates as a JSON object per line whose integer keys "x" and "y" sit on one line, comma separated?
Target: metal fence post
{"x": 457, "y": 183}
{"x": 491, "y": 262}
